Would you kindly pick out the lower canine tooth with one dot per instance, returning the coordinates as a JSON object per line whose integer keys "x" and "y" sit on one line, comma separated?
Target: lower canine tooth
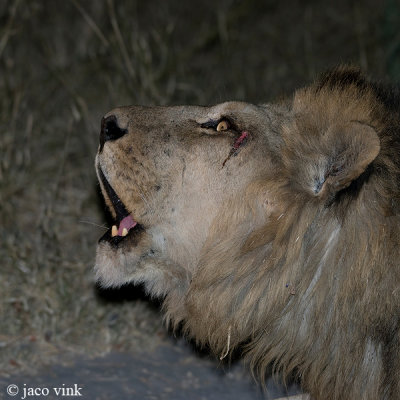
{"x": 114, "y": 231}
{"x": 124, "y": 232}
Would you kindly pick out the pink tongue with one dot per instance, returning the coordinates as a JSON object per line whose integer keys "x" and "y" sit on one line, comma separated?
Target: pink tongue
{"x": 128, "y": 223}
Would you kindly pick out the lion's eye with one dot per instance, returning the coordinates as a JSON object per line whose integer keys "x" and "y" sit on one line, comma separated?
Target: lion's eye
{"x": 223, "y": 125}
{"x": 218, "y": 125}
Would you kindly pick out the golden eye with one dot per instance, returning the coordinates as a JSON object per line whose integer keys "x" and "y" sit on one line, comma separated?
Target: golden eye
{"x": 223, "y": 126}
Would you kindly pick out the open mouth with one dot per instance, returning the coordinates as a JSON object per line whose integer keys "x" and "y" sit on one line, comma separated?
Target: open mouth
{"x": 124, "y": 226}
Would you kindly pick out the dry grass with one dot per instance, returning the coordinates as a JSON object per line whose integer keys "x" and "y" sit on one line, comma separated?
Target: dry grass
{"x": 64, "y": 64}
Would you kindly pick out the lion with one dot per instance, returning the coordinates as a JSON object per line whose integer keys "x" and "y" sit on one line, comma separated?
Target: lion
{"x": 273, "y": 229}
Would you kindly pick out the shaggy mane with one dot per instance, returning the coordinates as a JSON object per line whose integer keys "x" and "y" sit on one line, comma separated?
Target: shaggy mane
{"x": 318, "y": 274}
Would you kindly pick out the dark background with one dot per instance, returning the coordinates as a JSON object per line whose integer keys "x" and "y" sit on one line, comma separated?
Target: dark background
{"x": 63, "y": 64}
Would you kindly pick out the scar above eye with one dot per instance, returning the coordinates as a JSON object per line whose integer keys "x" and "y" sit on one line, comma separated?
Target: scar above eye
{"x": 242, "y": 139}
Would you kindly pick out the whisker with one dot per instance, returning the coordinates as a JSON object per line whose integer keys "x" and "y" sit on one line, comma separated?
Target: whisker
{"x": 104, "y": 226}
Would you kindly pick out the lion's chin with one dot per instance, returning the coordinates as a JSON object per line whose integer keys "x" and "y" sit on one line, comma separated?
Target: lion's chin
{"x": 118, "y": 258}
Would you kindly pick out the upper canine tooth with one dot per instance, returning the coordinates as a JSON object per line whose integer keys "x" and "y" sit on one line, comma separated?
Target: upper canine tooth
{"x": 114, "y": 231}
{"x": 124, "y": 232}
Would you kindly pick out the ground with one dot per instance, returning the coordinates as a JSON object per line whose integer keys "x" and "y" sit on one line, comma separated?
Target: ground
{"x": 173, "y": 371}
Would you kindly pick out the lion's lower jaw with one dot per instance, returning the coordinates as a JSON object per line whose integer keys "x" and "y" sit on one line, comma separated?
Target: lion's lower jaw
{"x": 113, "y": 270}
{"x": 158, "y": 275}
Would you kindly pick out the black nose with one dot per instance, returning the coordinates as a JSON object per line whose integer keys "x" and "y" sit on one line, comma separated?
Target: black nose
{"x": 110, "y": 130}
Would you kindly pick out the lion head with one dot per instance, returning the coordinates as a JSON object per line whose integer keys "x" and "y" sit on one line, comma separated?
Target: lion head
{"x": 274, "y": 228}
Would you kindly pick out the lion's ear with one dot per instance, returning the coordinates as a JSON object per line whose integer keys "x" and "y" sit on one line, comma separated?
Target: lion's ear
{"x": 349, "y": 148}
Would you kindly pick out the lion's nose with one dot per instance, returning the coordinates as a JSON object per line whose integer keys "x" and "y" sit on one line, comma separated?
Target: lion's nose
{"x": 110, "y": 130}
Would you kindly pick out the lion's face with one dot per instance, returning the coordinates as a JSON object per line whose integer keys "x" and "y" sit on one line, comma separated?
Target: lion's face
{"x": 168, "y": 173}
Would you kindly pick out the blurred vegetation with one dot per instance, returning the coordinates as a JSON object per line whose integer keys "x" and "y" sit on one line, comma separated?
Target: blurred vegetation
{"x": 63, "y": 64}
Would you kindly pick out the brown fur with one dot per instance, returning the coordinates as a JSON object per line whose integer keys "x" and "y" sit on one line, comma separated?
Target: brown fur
{"x": 291, "y": 249}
